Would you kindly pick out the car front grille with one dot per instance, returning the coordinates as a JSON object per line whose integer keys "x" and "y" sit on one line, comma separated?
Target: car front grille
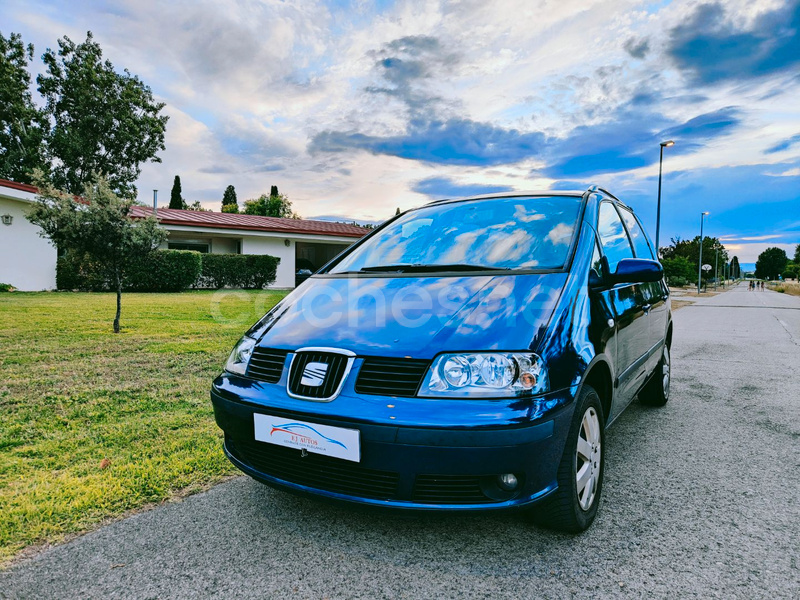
{"x": 335, "y": 370}
{"x": 391, "y": 376}
{"x": 315, "y": 470}
{"x": 266, "y": 364}
{"x": 449, "y": 489}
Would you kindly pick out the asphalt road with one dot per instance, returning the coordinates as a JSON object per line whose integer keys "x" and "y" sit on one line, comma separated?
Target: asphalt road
{"x": 701, "y": 500}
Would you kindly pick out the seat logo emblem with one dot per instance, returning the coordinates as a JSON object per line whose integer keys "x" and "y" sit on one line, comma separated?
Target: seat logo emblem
{"x": 314, "y": 374}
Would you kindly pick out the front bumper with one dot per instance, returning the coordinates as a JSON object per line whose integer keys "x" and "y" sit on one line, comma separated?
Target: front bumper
{"x": 402, "y": 465}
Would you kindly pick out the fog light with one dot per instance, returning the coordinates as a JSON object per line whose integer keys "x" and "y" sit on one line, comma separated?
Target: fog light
{"x": 507, "y": 481}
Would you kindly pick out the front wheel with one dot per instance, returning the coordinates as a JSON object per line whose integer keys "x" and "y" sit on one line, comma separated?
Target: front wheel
{"x": 656, "y": 391}
{"x": 573, "y": 506}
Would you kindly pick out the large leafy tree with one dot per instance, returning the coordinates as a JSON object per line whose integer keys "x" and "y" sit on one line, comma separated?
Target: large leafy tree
{"x": 175, "y": 198}
{"x": 679, "y": 267}
{"x": 797, "y": 255}
{"x": 101, "y": 121}
{"x": 229, "y": 202}
{"x": 690, "y": 250}
{"x": 270, "y": 206}
{"x": 771, "y": 263}
{"x": 22, "y": 124}
{"x": 97, "y": 226}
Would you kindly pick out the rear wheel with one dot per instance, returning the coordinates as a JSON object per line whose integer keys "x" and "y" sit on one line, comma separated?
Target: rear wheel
{"x": 656, "y": 391}
{"x": 573, "y": 506}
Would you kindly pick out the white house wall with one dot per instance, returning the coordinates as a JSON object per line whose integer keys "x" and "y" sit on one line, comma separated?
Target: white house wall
{"x": 221, "y": 245}
{"x": 27, "y": 261}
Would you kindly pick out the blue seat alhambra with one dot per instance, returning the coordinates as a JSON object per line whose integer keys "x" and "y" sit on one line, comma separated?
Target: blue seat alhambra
{"x": 466, "y": 355}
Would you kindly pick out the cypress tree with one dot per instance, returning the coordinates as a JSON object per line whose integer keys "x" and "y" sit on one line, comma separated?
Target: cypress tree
{"x": 175, "y": 198}
{"x": 229, "y": 202}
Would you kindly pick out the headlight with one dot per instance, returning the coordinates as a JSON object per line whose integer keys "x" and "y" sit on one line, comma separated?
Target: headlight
{"x": 240, "y": 356}
{"x": 485, "y": 374}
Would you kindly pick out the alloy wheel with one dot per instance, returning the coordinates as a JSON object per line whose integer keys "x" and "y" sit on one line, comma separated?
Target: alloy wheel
{"x": 587, "y": 467}
{"x": 665, "y": 371}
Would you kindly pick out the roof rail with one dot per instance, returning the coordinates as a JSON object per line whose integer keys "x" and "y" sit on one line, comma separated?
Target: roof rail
{"x": 607, "y": 193}
{"x": 597, "y": 189}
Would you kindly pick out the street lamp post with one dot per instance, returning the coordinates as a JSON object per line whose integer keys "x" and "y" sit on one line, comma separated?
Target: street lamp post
{"x": 666, "y": 144}
{"x": 700, "y": 266}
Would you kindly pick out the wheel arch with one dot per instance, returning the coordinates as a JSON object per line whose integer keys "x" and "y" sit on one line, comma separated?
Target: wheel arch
{"x": 598, "y": 375}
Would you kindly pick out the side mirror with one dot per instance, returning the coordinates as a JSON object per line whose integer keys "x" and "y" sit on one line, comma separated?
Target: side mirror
{"x": 637, "y": 270}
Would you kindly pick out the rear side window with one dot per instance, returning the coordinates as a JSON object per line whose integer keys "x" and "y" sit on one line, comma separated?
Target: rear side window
{"x": 637, "y": 235}
{"x": 613, "y": 237}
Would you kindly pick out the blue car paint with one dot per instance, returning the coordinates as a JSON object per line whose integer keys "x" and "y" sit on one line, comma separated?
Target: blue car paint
{"x": 467, "y": 320}
{"x": 573, "y": 329}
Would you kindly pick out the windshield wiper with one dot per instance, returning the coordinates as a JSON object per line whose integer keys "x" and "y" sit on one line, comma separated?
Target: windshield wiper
{"x": 432, "y": 268}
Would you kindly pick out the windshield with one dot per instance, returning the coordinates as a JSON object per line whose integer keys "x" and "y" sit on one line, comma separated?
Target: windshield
{"x": 499, "y": 233}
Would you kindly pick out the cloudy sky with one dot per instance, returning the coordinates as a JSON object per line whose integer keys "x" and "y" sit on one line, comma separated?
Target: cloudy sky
{"x": 355, "y": 108}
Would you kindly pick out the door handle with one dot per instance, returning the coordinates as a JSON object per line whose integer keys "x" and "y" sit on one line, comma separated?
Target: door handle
{"x": 646, "y": 308}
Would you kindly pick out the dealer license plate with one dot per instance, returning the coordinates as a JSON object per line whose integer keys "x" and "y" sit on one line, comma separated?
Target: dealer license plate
{"x": 319, "y": 439}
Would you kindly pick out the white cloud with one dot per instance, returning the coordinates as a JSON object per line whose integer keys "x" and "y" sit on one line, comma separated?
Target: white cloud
{"x": 748, "y": 253}
{"x": 248, "y": 83}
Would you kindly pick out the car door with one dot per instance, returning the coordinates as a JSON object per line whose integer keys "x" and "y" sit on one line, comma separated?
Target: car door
{"x": 656, "y": 293}
{"x": 628, "y": 303}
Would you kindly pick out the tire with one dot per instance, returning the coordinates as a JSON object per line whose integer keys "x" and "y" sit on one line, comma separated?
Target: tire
{"x": 572, "y": 508}
{"x": 656, "y": 391}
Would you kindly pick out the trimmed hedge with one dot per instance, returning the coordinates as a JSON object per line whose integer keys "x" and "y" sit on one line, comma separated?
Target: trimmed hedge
{"x": 172, "y": 271}
{"x": 248, "y": 271}
{"x": 77, "y": 272}
{"x": 165, "y": 271}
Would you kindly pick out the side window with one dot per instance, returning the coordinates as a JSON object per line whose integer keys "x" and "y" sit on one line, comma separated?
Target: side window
{"x": 637, "y": 235}
{"x": 613, "y": 236}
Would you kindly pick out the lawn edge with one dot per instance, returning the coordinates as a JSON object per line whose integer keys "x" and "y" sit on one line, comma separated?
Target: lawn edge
{"x": 32, "y": 551}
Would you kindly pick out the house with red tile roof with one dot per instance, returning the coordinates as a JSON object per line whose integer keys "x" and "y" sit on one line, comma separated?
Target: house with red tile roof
{"x": 28, "y": 261}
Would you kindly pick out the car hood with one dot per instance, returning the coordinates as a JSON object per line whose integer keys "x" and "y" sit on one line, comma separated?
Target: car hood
{"x": 415, "y": 316}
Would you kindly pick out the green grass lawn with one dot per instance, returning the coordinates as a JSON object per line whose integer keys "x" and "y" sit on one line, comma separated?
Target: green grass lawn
{"x": 95, "y": 424}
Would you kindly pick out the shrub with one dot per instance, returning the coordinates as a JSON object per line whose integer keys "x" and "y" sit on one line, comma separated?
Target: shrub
{"x": 165, "y": 271}
{"x": 220, "y": 270}
{"x": 6, "y": 287}
{"x": 249, "y": 271}
{"x": 678, "y": 267}
{"x": 677, "y": 281}
{"x": 261, "y": 270}
{"x": 77, "y": 272}
{"x": 172, "y": 271}
{"x": 159, "y": 271}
